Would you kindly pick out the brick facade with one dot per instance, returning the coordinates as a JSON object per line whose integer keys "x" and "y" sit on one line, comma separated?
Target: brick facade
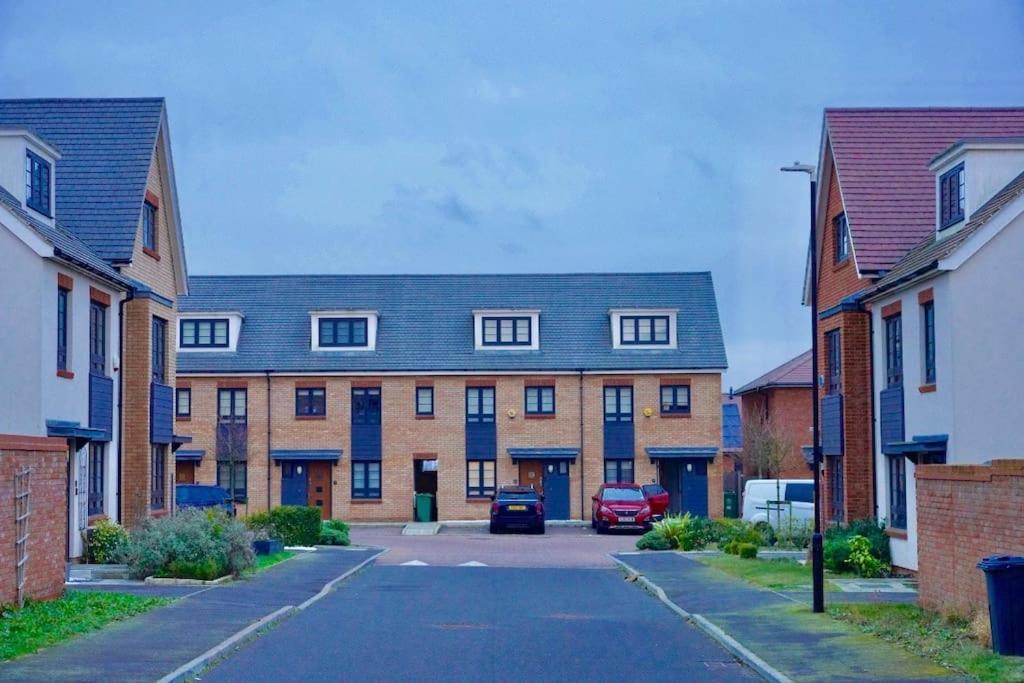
{"x": 47, "y": 525}
{"x": 789, "y": 407}
{"x": 407, "y": 437}
{"x": 965, "y": 512}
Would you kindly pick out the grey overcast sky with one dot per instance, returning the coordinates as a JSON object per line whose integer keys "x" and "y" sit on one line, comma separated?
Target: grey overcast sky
{"x": 514, "y": 137}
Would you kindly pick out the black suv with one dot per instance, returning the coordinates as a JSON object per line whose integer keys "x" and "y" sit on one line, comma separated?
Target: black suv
{"x": 517, "y": 507}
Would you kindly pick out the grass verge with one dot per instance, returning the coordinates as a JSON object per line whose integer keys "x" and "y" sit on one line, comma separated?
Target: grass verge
{"x": 948, "y": 641}
{"x": 41, "y": 624}
{"x": 777, "y": 574}
{"x": 267, "y": 561}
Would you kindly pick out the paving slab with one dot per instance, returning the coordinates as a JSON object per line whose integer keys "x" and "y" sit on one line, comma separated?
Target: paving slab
{"x": 151, "y": 645}
{"x": 780, "y": 628}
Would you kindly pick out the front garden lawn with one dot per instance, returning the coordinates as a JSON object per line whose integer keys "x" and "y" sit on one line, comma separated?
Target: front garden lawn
{"x": 41, "y": 624}
{"x": 267, "y": 561}
{"x": 948, "y": 641}
{"x": 777, "y": 574}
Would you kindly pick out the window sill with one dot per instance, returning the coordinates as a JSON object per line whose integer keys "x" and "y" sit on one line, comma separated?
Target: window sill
{"x": 310, "y": 417}
{"x": 927, "y": 388}
{"x": 158, "y": 513}
{"x": 424, "y": 417}
{"x": 151, "y": 253}
{"x": 182, "y": 418}
{"x": 367, "y": 501}
{"x": 539, "y": 416}
{"x": 66, "y": 374}
{"x": 900, "y": 534}
{"x": 98, "y": 517}
{"x": 479, "y": 499}
{"x": 676, "y": 415}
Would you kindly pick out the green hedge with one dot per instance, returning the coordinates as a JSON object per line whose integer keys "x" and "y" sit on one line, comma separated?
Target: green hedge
{"x": 291, "y": 524}
{"x": 193, "y": 544}
{"x": 334, "y": 532}
{"x": 837, "y": 550}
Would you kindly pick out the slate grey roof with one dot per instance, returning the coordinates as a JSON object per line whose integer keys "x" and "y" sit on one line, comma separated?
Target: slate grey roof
{"x": 927, "y": 254}
{"x": 106, "y": 147}
{"x": 66, "y": 245}
{"x": 426, "y": 321}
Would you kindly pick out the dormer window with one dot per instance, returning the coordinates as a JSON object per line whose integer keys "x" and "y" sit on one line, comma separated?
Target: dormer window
{"x": 951, "y": 197}
{"x": 37, "y": 183}
{"x": 343, "y": 330}
{"x": 506, "y": 330}
{"x": 643, "y": 328}
{"x": 204, "y": 334}
{"x": 149, "y": 226}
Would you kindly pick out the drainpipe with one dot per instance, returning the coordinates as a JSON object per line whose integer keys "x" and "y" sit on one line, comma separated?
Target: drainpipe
{"x": 583, "y": 481}
{"x": 270, "y": 464}
{"x": 874, "y": 419}
{"x": 120, "y": 402}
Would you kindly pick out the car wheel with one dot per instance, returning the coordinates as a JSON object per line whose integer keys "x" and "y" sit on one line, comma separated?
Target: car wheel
{"x": 539, "y": 529}
{"x": 495, "y": 529}
{"x": 599, "y": 526}
{"x": 593, "y": 522}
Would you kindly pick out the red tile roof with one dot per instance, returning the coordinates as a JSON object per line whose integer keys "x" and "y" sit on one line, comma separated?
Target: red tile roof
{"x": 792, "y": 373}
{"x": 882, "y": 158}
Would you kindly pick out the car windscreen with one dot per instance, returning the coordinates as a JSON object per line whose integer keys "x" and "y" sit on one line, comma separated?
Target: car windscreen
{"x": 517, "y": 495}
{"x": 800, "y": 493}
{"x": 623, "y": 495}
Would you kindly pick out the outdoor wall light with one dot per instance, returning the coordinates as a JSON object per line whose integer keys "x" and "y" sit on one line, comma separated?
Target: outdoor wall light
{"x": 511, "y": 412}
{"x": 648, "y": 412}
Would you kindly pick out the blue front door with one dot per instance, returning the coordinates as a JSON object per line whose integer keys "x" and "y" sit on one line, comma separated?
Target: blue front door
{"x": 694, "y": 475}
{"x": 294, "y": 483}
{"x": 556, "y": 490}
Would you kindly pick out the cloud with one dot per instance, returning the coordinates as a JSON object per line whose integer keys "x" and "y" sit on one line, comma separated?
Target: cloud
{"x": 454, "y": 209}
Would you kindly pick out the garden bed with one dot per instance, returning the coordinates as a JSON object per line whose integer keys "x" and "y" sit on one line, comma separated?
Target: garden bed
{"x": 776, "y": 574}
{"x": 42, "y": 624}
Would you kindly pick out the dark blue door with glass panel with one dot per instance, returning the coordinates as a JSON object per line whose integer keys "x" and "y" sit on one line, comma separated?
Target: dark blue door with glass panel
{"x": 618, "y": 422}
{"x": 556, "y": 490}
{"x": 294, "y": 483}
{"x": 695, "y": 487}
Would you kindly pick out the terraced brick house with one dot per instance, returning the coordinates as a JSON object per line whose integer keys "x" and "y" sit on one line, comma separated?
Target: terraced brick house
{"x": 353, "y": 393}
{"x": 879, "y": 200}
{"x": 91, "y": 265}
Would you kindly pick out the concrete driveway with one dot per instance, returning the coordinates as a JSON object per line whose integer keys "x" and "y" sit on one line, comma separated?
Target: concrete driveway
{"x": 566, "y": 547}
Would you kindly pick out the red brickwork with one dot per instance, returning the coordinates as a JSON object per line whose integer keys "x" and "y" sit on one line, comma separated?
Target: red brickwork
{"x": 406, "y": 438}
{"x": 790, "y": 408}
{"x": 965, "y": 512}
{"x": 47, "y": 546}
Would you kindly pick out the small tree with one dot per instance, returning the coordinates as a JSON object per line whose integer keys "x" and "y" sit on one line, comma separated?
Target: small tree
{"x": 765, "y": 447}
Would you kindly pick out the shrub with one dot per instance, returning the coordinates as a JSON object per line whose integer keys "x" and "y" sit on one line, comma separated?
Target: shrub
{"x": 768, "y": 537}
{"x": 738, "y": 531}
{"x": 653, "y": 540}
{"x": 108, "y": 543}
{"x": 682, "y": 532}
{"x": 862, "y": 559}
{"x": 747, "y": 551}
{"x": 193, "y": 544}
{"x": 795, "y": 534}
{"x": 836, "y": 553}
{"x": 837, "y": 548}
{"x": 292, "y": 524}
{"x": 334, "y": 532}
{"x": 705, "y": 531}
{"x": 731, "y": 548}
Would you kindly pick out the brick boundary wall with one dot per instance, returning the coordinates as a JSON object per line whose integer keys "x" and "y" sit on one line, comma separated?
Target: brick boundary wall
{"x": 965, "y": 512}
{"x": 47, "y": 526}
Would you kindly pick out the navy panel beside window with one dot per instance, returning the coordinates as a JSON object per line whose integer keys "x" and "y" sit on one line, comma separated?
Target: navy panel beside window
{"x": 894, "y": 350}
{"x": 928, "y": 321}
{"x": 159, "y": 343}
{"x": 310, "y": 402}
{"x": 37, "y": 183}
{"x": 149, "y": 223}
{"x": 506, "y": 331}
{"x": 643, "y": 329}
{"x": 540, "y": 400}
{"x": 480, "y": 478}
{"x": 201, "y": 334}
{"x": 343, "y": 332}
{"x": 951, "y": 197}
{"x": 675, "y": 398}
{"x": 424, "y": 400}
{"x": 366, "y": 479}
{"x": 841, "y": 235}
{"x": 183, "y": 402}
{"x": 63, "y": 312}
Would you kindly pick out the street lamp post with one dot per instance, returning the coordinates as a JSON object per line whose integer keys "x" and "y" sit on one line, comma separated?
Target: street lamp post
{"x": 817, "y": 559}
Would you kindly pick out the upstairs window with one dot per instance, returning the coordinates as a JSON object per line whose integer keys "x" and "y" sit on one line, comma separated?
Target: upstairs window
{"x": 479, "y": 405}
{"x": 833, "y": 361}
{"x": 618, "y": 404}
{"x": 675, "y": 399}
{"x": 63, "y": 313}
{"x": 310, "y": 402}
{"x": 540, "y": 400}
{"x": 951, "y": 197}
{"x": 644, "y": 329}
{"x": 97, "y": 338}
{"x": 149, "y": 226}
{"x": 159, "y": 350}
{"x": 37, "y": 183}
{"x": 204, "y": 334}
{"x": 231, "y": 406}
{"x": 841, "y": 233}
{"x": 894, "y": 350}
{"x": 424, "y": 401}
{"x": 343, "y": 332}
{"x": 183, "y": 402}
{"x": 506, "y": 331}
{"x": 928, "y": 327}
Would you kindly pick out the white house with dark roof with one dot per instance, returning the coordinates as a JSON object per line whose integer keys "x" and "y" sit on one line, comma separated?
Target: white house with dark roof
{"x": 945, "y": 323}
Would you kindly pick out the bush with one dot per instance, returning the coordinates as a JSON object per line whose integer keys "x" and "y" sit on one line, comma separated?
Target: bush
{"x": 334, "y": 532}
{"x": 705, "y": 531}
{"x": 731, "y": 548}
{"x": 193, "y": 544}
{"x": 108, "y": 543}
{"x": 837, "y": 548}
{"x": 653, "y": 540}
{"x": 768, "y": 537}
{"x": 682, "y": 532}
{"x": 737, "y": 531}
{"x": 862, "y": 559}
{"x": 836, "y": 552}
{"x": 748, "y": 551}
{"x": 292, "y": 524}
{"x": 795, "y": 534}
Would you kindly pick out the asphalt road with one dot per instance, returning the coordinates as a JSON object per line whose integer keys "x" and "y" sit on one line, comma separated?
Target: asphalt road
{"x": 483, "y": 624}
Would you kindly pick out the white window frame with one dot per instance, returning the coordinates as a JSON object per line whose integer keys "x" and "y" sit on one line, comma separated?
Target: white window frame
{"x": 615, "y": 316}
{"x": 478, "y": 328}
{"x": 234, "y": 319}
{"x": 371, "y": 330}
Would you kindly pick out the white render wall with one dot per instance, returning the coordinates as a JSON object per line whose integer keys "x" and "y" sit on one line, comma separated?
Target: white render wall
{"x": 21, "y": 273}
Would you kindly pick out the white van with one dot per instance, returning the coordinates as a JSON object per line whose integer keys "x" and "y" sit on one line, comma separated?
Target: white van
{"x": 776, "y": 500}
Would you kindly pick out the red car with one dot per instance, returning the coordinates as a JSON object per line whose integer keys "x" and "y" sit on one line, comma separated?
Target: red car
{"x": 657, "y": 498}
{"x": 621, "y": 506}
